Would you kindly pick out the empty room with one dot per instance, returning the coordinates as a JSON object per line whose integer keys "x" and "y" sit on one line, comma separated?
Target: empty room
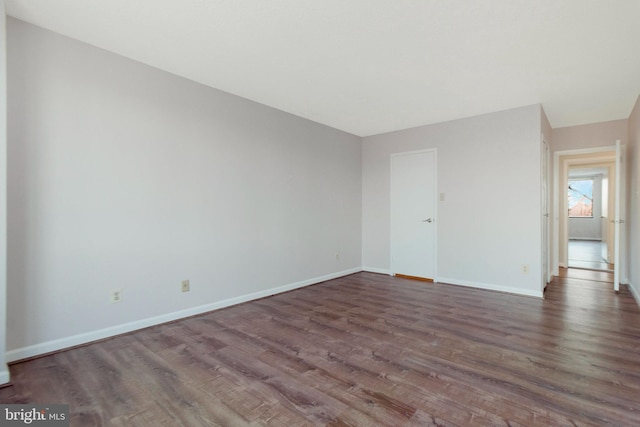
{"x": 333, "y": 213}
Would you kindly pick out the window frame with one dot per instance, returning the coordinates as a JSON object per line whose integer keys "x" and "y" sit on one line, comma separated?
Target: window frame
{"x": 585, "y": 178}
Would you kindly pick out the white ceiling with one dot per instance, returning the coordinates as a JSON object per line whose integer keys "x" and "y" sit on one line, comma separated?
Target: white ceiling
{"x": 372, "y": 66}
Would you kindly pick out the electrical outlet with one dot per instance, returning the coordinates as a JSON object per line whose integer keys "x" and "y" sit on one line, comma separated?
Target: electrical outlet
{"x": 525, "y": 268}
{"x": 116, "y": 296}
{"x": 186, "y": 286}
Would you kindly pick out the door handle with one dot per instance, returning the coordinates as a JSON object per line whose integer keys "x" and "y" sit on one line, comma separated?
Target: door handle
{"x": 427, "y": 220}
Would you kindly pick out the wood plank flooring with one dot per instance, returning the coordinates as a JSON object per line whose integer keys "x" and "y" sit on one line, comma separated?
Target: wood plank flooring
{"x": 364, "y": 350}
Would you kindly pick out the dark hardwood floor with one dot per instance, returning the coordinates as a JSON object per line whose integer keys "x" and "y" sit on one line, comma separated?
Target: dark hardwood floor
{"x": 364, "y": 350}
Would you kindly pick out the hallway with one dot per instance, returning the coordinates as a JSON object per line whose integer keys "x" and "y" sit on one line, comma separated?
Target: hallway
{"x": 588, "y": 254}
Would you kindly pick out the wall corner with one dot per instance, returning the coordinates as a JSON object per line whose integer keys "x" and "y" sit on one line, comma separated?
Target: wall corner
{"x": 4, "y": 370}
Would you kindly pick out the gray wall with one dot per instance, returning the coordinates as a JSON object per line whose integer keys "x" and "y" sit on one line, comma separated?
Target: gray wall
{"x": 489, "y": 223}
{"x": 4, "y": 370}
{"x": 633, "y": 217}
{"x": 592, "y": 135}
{"x": 122, "y": 176}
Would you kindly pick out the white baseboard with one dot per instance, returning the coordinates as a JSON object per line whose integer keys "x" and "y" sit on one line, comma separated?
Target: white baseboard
{"x": 75, "y": 340}
{"x": 4, "y": 375}
{"x": 491, "y": 287}
{"x": 633, "y": 291}
{"x": 377, "y": 270}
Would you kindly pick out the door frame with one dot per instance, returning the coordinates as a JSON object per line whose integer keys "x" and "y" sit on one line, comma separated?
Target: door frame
{"x": 546, "y": 193}
{"x": 619, "y": 218}
{"x": 560, "y": 160}
{"x": 435, "y": 207}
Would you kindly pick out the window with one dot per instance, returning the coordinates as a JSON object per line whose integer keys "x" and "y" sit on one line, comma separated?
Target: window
{"x": 581, "y": 198}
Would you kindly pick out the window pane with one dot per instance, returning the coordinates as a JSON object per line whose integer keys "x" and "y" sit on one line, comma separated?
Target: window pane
{"x": 581, "y": 198}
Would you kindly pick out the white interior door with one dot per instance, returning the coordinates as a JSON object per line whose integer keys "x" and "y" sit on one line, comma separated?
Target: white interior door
{"x": 546, "y": 276}
{"x": 618, "y": 215}
{"x": 413, "y": 214}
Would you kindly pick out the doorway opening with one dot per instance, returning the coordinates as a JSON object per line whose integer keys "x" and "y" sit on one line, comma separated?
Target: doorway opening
{"x": 614, "y": 159}
{"x": 585, "y": 184}
{"x": 589, "y": 197}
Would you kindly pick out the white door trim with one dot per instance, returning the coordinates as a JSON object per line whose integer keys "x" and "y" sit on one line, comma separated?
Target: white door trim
{"x": 557, "y": 172}
{"x": 546, "y": 204}
{"x": 619, "y": 215}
